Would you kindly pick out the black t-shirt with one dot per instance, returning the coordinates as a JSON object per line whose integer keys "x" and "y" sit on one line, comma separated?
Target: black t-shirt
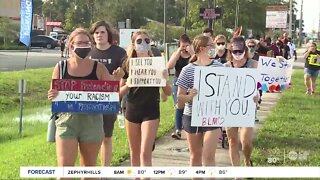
{"x": 309, "y": 66}
{"x": 255, "y": 56}
{"x": 262, "y": 49}
{"x": 112, "y": 57}
{"x": 182, "y": 62}
{"x": 223, "y": 58}
{"x": 286, "y": 49}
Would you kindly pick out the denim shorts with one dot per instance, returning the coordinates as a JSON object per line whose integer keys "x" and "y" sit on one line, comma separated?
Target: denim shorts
{"x": 83, "y": 127}
{"x": 311, "y": 72}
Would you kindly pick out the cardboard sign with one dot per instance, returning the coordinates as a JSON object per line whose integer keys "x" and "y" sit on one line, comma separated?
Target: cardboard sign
{"x": 275, "y": 73}
{"x": 86, "y": 96}
{"x": 146, "y": 72}
{"x": 225, "y": 97}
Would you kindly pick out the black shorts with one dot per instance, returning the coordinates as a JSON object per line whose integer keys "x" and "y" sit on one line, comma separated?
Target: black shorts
{"x": 186, "y": 124}
{"x": 108, "y": 124}
{"x": 141, "y": 113}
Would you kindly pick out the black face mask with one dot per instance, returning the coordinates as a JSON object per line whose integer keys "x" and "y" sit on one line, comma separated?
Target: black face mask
{"x": 82, "y": 52}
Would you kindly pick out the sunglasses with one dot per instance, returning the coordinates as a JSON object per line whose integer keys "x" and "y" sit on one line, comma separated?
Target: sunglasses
{"x": 139, "y": 41}
{"x": 221, "y": 43}
{"x": 237, "y": 51}
{"x": 251, "y": 46}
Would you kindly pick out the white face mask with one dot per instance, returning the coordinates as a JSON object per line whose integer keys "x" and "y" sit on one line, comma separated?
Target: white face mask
{"x": 221, "y": 47}
{"x": 211, "y": 52}
{"x": 143, "y": 47}
{"x": 238, "y": 57}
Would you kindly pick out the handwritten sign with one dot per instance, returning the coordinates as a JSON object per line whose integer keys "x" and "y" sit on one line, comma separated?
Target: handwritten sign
{"x": 225, "y": 97}
{"x": 275, "y": 73}
{"x": 86, "y": 96}
{"x": 146, "y": 72}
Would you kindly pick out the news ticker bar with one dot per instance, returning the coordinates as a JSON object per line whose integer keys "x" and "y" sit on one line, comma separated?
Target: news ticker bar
{"x": 172, "y": 172}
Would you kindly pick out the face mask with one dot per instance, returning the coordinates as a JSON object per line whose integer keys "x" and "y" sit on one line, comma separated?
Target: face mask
{"x": 221, "y": 47}
{"x": 82, "y": 52}
{"x": 252, "y": 50}
{"x": 238, "y": 57}
{"x": 211, "y": 52}
{"x": 143, "y": 47}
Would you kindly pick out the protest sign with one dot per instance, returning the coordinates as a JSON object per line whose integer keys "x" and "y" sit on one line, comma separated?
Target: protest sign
{"x": 225, "y": 97}
{"x": 146, "y": 72}
{"x": 275, "y": 73}
{"x": 86, "y": 96}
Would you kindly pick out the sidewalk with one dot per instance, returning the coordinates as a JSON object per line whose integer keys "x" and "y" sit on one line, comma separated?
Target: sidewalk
{"x": 170, "y": 152}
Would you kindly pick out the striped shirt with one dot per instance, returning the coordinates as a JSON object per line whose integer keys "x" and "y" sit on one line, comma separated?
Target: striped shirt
{"x": 186, "y": 81}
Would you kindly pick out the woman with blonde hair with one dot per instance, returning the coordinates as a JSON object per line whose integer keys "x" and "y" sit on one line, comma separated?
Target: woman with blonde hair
{"x": 143, "y": 106}
{"x": 202, "y": 141}
{"x": 79, "y": 130}
{"x": 221, "y": 48}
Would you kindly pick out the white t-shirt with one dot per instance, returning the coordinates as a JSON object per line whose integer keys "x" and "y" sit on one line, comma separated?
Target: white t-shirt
{"x": 292, "y": 49}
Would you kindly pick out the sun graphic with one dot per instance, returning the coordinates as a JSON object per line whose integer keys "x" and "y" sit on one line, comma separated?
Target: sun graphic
{"x": 129, "y": 171}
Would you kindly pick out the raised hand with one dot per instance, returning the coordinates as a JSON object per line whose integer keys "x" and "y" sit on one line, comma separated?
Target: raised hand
{"x": 118, "y": 73}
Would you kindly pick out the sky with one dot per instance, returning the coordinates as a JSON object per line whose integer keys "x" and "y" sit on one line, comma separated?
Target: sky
{"x": 311, "y": 14}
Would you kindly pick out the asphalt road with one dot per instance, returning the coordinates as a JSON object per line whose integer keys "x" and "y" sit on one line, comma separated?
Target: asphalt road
{"x": 37, "y": 58}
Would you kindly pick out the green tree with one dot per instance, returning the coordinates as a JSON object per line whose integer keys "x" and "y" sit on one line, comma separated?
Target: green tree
{"x": 37, "y": 7}
{"x": 8, "y": 30}
{"x": 56, "y": 9}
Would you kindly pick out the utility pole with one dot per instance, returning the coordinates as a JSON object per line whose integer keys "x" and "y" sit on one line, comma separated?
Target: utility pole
{"x": 300, "y": 24}
{"x": 92, "y": 8}
{"x": 236, "y": 20}
{"x": 290, "y": 19}
{"x": 185, "y": 15}
{"x": 165, "y": 23}
{"x": 210, "y": 5}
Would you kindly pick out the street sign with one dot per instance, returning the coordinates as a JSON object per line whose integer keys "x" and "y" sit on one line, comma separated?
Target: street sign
{"x": 210, "y": 13}
{"x": 276, "y": 16}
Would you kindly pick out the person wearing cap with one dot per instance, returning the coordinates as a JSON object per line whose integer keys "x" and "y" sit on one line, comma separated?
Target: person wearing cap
{"x": 238, "y": 57}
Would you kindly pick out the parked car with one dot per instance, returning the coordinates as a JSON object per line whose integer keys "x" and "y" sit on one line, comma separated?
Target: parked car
{"x": 44, "y": 41}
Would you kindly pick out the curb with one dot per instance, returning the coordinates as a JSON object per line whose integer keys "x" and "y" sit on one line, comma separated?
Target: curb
{"x": 32, "y": 50}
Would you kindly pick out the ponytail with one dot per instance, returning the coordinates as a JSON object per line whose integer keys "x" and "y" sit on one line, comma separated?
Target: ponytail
{"x": 193, "y": 59}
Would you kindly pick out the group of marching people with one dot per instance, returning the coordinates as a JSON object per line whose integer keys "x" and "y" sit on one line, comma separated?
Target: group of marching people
{"x": 95, "y": 57}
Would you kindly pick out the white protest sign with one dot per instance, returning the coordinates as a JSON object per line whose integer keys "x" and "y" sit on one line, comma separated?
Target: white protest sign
{"x": 147, "y": 72}
{"x": 225, "y": 97}
{"x": 275, "y": 73}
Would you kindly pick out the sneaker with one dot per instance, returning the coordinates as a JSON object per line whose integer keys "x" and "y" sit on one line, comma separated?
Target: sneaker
{"x": 308, "y": 92}
{"x": 256, "y": 119}
{"x": 154, "y": 146}
{"x": 176, "y": 135}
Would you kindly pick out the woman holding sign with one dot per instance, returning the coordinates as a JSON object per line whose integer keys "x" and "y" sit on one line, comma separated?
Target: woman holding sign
{"x": 311, "y": 68}
{"x": 178, "y": 60}
{"x": 238, "y": 57}
{"x": 79, "y": 130}
{"x": 143, "y": 103}
{"x": 202, "y": 140}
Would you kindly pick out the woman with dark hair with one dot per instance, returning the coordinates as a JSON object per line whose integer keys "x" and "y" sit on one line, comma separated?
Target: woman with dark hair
{"x": 238, "y": 57}
{"x": 143, "y": 106}
{"x": 178, "y": 60}
{"x": 112, "y": 57}
{"x": 311, "y": 68}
